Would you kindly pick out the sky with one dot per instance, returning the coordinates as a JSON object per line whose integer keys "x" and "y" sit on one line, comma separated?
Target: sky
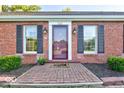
{"x": 83, "y": 7}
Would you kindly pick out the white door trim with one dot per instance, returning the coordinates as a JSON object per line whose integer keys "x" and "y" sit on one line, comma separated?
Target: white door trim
{"x": 51, "y": 23}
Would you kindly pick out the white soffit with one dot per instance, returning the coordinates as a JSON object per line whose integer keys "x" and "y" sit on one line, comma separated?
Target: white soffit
{"x": 65, "y": 17}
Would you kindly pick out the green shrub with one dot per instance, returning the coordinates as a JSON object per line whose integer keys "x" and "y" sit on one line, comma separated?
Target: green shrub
{"x": 41, "y": 61}
{"x": 8, "y": 63}
{"x": 116, "y": 63}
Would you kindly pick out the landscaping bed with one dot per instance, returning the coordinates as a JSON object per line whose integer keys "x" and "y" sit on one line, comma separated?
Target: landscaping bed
{"x": 16, "y": 72}
{"x": 102, "y": 70}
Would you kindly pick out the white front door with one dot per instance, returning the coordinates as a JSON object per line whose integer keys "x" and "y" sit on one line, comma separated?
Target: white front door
{"x": 65, "y": 53}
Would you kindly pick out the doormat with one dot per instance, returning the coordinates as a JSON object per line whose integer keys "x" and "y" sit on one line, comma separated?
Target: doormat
{"x": 66, "y": 65}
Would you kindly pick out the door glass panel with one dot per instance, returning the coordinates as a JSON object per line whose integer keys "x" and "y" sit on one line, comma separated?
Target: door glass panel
{"x": 60, "y": 42}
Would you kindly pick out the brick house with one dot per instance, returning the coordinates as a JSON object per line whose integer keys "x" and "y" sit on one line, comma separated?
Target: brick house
{"x": 88, "y": 37}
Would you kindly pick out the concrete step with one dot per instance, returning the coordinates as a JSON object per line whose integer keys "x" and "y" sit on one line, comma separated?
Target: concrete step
{"x": 6, "y": 78}
{"x": 113, "y": 81}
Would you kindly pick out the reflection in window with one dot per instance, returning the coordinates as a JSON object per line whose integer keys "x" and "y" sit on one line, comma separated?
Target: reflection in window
{"x": 90, "y": 36}
{"x": 31, "y": 38}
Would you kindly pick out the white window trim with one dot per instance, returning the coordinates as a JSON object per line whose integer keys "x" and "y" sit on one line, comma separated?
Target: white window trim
{"x": 96, "y": 42}
{"x": 24, "y": 42}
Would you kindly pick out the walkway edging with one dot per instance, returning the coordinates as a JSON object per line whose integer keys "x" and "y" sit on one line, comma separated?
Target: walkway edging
{"x": 21, "y": 75}
{"x": 90, "y": 72}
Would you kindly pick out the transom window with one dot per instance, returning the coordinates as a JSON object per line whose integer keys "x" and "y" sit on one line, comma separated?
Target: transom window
{"x": 30, "y": 38}
{"x": 90, "y": 39}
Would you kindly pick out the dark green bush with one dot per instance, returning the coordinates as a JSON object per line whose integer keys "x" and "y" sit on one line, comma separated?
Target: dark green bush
{"x": 116, "y": 63}
{"x": 41, "y": 61}
{"x": 8, "y": 63}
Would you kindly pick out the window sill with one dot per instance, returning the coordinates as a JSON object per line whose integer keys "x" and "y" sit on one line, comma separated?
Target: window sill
{"x": 30, "y": 53}
{"x": 89, "y": 53}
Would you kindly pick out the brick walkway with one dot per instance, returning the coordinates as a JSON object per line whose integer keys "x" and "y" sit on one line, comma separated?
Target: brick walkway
{"x": 51, "y": 74}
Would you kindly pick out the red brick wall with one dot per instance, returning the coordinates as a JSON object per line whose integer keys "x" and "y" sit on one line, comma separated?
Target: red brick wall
{"x": 8, "y": 40}
{"x": 113, "y": 42}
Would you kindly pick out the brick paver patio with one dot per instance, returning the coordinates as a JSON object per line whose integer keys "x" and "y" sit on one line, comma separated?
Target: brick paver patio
{"x": 51, "y": 74}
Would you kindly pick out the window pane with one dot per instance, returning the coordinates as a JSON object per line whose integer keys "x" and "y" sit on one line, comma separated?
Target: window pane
{"x": 89, "y": 38}
{"x": 31, "y": 38}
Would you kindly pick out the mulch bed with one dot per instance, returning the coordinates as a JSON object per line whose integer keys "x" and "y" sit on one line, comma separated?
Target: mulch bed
{"x": 102, "y": 70}
{"x": 16, "y": 72}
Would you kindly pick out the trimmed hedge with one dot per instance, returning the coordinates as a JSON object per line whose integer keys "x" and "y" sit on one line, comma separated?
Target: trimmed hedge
{"x": 116, "y": 63}
{"x": 8, "y": 63}
{"x": 41, "y": 61}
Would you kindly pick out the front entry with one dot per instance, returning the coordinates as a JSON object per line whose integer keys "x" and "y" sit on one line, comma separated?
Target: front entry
{"x": 60, "y": 42}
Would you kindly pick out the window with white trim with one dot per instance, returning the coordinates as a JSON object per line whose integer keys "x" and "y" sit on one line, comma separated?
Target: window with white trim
{"x": 30, "y": 38}
{"x": 90, "y": 39}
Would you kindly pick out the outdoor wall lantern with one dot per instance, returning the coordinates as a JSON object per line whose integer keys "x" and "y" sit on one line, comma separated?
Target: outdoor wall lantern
{"x": 45, "y": 30}
{"x": 74, "y": 31}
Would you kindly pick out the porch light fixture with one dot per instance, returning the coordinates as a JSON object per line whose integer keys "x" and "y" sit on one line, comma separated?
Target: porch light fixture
{"x": 45, "y": 30}
{"x": 74, "y": 31}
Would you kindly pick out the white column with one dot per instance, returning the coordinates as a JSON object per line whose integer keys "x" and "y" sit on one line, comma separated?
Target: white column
{"x": 69, "y": 41}
{"x": 0, "y": 8}
{"x": 50, "y": 42}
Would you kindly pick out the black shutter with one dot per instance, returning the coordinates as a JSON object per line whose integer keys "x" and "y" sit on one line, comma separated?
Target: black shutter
{"x": 39, "y": 39}
{"x": 80, "y": 39}
{"x": 19, "y": 39}
{"x": 101, "y": 39}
